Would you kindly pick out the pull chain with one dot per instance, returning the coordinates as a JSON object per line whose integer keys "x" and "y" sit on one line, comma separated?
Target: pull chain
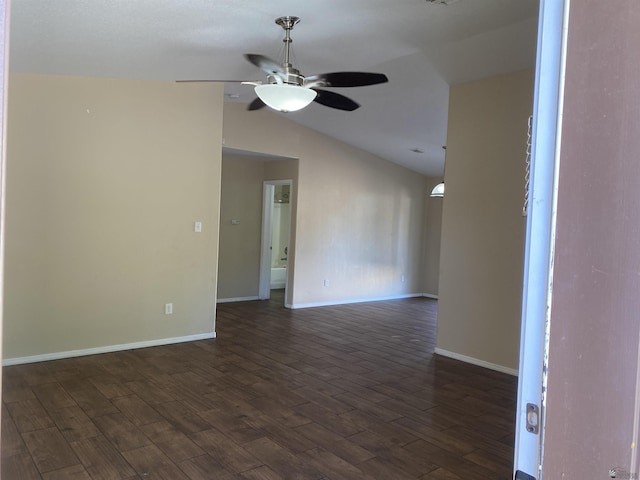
{"x": 527, "y": 174}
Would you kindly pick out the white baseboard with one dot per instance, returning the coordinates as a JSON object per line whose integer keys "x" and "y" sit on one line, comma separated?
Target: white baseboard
{"x": 475, "y": 361}
{"x": 430, "y": 295}
{"x": 352, "y": 300}
{"x": 106, "y": 349}
{"x": 237, "y": 299}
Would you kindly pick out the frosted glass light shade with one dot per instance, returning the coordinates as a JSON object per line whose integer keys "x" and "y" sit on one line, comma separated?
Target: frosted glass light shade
{"x": 285, "y": 98}
{"x": 438, "y": 190}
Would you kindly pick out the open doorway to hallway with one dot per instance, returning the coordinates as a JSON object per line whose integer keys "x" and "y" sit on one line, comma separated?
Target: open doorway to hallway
{"x": 276, "y": 237}
{"x": 246, "y": 217}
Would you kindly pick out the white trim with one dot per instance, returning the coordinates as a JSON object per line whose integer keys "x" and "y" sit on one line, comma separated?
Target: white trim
{"x": 106, "y": 349}
{"x": 430, "y": 295}
{"x": 5, "y": 15}
{"x": 476, "y": 361}
{"x": 264, "y": 279}
{"x": 540, "y": 233}
{"x": 329, "y": 303}
{"x": 237, "y": 299}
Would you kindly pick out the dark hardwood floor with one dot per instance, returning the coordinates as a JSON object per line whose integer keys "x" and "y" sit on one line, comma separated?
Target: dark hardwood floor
{"x": 345, "y": 392}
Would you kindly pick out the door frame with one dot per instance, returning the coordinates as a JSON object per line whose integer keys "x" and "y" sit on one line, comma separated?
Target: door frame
{"x": 540, "y": 237}
{"x": 4, "y": 82}
{"x": 264, "y": 285}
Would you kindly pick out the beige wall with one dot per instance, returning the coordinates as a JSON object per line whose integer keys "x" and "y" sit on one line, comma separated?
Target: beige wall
{"x": 359, "y": 218}
{"x": 432, "y": 239}
{"x": 105, "y": 180}
{"x": 483, "y": 229}
{"x": 241, "y": 199}
{"x": 282, "y": 170}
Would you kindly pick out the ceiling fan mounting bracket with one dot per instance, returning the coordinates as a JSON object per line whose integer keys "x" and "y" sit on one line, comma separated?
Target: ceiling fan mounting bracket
{"x": 288, "y": 22}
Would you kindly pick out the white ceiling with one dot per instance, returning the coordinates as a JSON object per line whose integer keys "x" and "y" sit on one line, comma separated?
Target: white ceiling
{"x": 422, "y": 47}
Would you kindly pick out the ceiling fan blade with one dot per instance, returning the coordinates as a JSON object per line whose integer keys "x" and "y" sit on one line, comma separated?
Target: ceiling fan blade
{"x": 335, "y": 100}
{"x": 257, "y": 104}
{"x": 347, "y": 79}
{"x": 206, "y": 80}
{"x": 267, "y": 65}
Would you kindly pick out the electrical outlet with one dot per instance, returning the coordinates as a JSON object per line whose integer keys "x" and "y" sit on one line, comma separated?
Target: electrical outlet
{"x": 197, "y": 227}
{"x": 168, "y": 308}
{"x": 326, "y": 282}
{"x": 402, "y": 278}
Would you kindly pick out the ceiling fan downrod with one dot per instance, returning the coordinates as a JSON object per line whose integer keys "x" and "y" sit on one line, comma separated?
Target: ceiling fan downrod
{"x": 292, "y": 75}
{"x": 287, "y": 23}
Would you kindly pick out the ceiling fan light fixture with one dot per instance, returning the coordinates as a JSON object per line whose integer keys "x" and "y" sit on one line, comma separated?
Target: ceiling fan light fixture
{"x": 285, "y": 98}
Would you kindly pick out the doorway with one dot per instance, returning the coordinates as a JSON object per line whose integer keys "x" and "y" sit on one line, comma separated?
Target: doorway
{"x": 276, "y": 237}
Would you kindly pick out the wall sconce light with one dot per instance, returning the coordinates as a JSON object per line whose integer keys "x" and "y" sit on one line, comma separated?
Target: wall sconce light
{"x": 438, "y": 190}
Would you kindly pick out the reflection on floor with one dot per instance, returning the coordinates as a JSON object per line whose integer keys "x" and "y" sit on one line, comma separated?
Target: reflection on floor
{"x": 344, "y": 392}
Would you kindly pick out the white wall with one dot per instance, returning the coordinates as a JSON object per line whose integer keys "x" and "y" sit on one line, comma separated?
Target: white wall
{"x": 280, "y": 234}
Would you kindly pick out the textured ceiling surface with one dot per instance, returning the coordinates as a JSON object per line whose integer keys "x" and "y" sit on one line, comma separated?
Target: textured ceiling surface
{"x": 422, "y": 47}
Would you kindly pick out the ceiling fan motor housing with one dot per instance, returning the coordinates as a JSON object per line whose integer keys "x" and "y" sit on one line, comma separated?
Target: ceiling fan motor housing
{"x": 290, "y": 76}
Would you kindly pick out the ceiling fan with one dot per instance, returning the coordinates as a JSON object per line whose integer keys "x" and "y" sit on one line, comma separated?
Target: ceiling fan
{"x": 287, "y": 90}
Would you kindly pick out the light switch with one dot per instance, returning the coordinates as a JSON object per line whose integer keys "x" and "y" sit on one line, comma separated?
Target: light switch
{"x": 198, "y": 227}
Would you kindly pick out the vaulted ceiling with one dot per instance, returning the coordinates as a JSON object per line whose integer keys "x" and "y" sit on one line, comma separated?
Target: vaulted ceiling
{"x": 422, "y": 46}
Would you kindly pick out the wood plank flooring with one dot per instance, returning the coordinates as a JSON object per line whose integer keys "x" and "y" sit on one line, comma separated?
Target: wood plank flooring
{"x": 344, "y": 392}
